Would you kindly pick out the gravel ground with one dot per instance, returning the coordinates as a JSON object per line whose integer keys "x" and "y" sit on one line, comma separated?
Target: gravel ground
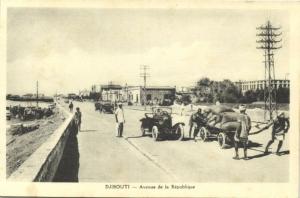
{"x": 20, "y": 147}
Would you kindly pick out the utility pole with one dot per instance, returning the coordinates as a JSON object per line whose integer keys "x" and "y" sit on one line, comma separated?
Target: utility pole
{"x": 37, "y": 93}
{"x": 268, "y": 42}
{"x": 144, "y": 74}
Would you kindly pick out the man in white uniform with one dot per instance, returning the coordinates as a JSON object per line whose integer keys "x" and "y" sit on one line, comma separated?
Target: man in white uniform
{"x": 120, "y": 120}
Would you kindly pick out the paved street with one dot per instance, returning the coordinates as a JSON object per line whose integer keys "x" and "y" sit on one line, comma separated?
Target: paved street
{"x": 106, "y": 158}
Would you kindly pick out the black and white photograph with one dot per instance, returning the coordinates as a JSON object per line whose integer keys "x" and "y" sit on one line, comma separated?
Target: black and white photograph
{"x": 132, "y": 98}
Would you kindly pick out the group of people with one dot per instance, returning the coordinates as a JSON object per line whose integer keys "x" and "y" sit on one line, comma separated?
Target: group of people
{"x": 119, "y": 115}
{"x": 280, "y": 125}
{"x": 78, "y": 115}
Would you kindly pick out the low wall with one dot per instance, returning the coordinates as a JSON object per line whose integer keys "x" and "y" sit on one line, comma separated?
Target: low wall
{"x": 42, "y": 165}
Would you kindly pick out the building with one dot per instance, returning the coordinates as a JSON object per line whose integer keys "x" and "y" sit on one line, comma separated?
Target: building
{"x": 111, "y": 92}
{"x": 185, "y": 90}
{"x": 96, "y": 89}
{"x": 154, "y": 94}
{"x": 84, "y": 93}
{"x": 260, "y": 84}
{"x": 107, "y": 92}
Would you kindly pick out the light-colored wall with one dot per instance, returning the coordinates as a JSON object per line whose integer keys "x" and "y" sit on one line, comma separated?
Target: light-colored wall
{"x": 42, "y": 165}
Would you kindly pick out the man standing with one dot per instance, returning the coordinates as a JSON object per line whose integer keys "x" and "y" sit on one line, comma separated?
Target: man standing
{"x": 241, "y": 134}
{"x": 71, "y": 107}
{"x": 196, "y": 122}
{"x": 78, "y": 118}
{"x": 120, "y": 120}
{"x": 280, "y": 126}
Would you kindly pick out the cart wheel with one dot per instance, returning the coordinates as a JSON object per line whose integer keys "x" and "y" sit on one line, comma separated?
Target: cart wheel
{"x": 203, "y": 134}
{"x": 222, "y": 137}
{"x": 180, "y": 132}
{"x": 143, "y": 131}
{"x": 155, "y": 133}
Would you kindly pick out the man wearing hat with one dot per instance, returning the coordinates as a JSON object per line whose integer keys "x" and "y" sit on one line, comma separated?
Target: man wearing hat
{"x": 120, "y": 120}
{"x": 241, "y": 134}
{"x": 280, "y": 126}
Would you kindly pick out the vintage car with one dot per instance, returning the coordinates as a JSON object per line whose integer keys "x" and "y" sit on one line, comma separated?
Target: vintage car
{"x": 162, "y": 124}
{"x": 166, "y": 102}
{"x": 104, "y": 107}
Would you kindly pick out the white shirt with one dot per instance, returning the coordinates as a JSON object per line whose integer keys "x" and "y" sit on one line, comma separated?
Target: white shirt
{"x": 120, "y": 115}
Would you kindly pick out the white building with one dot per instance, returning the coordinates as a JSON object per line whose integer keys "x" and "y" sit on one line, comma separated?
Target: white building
{"x": 260, "y": 84}
{"x": 154, "y": 94}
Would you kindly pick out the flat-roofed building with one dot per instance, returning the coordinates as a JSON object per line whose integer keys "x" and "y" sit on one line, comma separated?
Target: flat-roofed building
{"x": 154, "y": 94}
{"x": 260, "y": 84}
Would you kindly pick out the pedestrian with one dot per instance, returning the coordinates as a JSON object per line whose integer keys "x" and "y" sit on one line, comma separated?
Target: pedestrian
{"x": 78, "y": 118}
{"x": 281, "y": 126}
{"x": 242, "y": 132}
{"x": 196, "y": 122}
{"x": 120, "y": 120}
{"x": 71, "y": 107}
{"x": 182, "y": 108}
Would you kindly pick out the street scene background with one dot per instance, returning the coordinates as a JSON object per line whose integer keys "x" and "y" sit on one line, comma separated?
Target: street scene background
{"x": 180, "y": 59}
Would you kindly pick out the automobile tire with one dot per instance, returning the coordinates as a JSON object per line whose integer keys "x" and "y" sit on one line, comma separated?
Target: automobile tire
{"x": 180, "y": 132}
{"x": 222, "y": 137}
{"x": 203, "y": 133}
{"x": 155, "y": 133}
{"x": 143, "y": 132}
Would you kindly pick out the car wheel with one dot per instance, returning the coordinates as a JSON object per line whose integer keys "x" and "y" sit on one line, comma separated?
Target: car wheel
{"x": 203, "y": 133}
{"x": 222, "y": 137}
{"x": 143, "y": 132}
{"x": 155, "y": 133}
{"x": 180, "y": 132}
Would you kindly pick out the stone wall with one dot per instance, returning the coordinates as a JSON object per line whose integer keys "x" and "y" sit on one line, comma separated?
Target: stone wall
{"x": 42, "y": 165}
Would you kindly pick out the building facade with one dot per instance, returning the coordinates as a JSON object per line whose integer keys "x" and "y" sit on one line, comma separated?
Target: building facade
{"x": 154, "y": 94}
{"x": 111, "y": 92}
{"x": 260, "y": 84}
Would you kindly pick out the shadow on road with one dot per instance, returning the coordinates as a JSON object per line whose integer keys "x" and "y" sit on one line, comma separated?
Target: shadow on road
{"x": 284, "y": 153}
{"x": 146, "y": 135}
{"x": 259, "y": 155}
{"x": 84, "y": 131}
{"x": 69, "y": 165}
{"x": 253, "y": 144}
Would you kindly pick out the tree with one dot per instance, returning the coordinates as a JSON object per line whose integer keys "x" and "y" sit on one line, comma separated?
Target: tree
{"x": 283, "y": 95}
{"x": 223, "y": 91}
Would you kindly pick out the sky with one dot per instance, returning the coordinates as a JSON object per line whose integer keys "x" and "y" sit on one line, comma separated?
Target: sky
{"x": 70, "y": 49}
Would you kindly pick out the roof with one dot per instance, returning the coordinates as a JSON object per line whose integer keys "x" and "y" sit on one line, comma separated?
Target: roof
{"x": 111, "y": 86}
{"x": 153, "y": 87}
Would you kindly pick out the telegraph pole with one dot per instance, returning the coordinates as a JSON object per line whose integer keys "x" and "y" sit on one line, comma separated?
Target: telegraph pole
{"x": 144, "y": 74}
{"x": 268, "y": 42}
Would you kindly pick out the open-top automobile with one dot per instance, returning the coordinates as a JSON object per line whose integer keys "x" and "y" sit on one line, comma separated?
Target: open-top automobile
{"x": 162, "y": 124}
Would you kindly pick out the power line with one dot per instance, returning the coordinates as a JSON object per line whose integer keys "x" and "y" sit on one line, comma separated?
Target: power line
{"x": 268, "y": 42}
{"x": 144, "y": 74}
